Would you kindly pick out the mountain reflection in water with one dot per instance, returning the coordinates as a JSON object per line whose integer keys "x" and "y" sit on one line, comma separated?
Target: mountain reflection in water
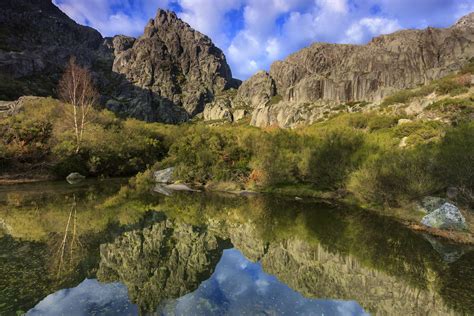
{"x": 78, "y": 250}
{"x": 237, "y": 287}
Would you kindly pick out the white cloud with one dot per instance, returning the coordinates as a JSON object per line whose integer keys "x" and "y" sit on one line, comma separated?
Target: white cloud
{"x": 361, "y": 30}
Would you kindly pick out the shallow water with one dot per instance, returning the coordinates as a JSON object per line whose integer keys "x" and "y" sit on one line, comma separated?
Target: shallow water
{"x": 80, "y": 250}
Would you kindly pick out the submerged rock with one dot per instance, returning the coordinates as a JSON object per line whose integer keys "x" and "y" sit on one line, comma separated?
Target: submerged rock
{"x": 74, "y": 178}
{"x": 447, "y": 216}
{"x": 164, "y": 176}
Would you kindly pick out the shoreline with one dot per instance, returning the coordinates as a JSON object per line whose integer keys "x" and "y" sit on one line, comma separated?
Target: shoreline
{"x": 465, "y": 238}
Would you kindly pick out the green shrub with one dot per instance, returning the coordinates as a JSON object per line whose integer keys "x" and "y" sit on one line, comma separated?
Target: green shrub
{"x": 275, "y": 157}
{"x": 403, "y": 96}
{"x": 275, "y": 99}
{"x": 359, "y": 121}
{"x": 377, "y": 122}
{"x": 452, "y": 86}
{"x": 420, "y": 132}
{"x": 468, "y": 68}
{"x": 333, "y": 158}
{"x": 396, "y": 176}
{"x": 456, "y": 160}
{"x": 204, "y": 154}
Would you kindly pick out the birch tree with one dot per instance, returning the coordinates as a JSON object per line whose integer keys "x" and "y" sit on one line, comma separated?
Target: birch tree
{"x": 77, "y": 90}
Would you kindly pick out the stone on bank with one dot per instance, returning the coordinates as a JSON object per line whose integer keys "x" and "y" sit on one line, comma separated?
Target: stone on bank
{"x": 448, "y": 216}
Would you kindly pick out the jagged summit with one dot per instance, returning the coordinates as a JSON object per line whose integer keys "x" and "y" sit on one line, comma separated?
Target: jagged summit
{"x": 174, "y": 71}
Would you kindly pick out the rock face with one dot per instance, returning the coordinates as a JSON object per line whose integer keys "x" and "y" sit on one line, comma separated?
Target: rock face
{"x": 174, "y": 70}
{"x": 36, "y": 41}
{"x": 447, "y": 216}
{"x": 348, "y": 73}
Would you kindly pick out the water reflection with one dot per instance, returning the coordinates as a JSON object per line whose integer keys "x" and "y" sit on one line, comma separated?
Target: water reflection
{"x": 237, "y": 287}
{"x": 148, "y": 254}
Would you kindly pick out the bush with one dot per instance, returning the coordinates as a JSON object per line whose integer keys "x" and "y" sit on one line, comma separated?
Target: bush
{"x": 204, "y": 154}
{"x": 376, "y": 122}
{"x": 276, "y": 156}
{"x": 456, "y": 160}
{"x": 403, "y": 96}
{"x": 333, "y": 158}
{"x": 123, "y": 149}
{"x": 396, "y": 176}
{"x": 452, "y": 86}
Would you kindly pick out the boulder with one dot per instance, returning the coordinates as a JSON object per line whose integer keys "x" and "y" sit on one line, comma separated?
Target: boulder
{"x": 164, "y": 176}
{"x": 239, "y": 114}
{"x": 432, "y": 203}
{"x": 74, "y": 178}
{"x": 404, "y": 121}
{"x": 447, "y": 216}
{"x": 256, "y": 91}
{"x": 161, "y": 189}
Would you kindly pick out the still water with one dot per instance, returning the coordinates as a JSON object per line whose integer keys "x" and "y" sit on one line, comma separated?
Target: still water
{"x": 87, "y": 249}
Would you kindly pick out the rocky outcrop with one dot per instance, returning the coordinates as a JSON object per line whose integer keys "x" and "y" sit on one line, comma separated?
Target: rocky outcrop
{"x": 164, "y": 175}
{"x": 348, "y": 73}
{"x": 256, "y": 91}
{"x": 174, "y": 71}
{"x": 220, "y": 109}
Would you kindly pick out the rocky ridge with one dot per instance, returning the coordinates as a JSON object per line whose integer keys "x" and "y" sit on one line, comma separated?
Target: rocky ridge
{"x": 310, "y": 83}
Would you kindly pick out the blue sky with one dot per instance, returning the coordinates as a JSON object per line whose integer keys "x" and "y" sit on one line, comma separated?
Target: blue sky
{"x": 254, "y": 33}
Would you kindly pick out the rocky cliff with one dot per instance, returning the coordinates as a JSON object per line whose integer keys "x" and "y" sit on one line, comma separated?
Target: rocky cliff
{"x": 173, "y": 66}
{"x": 322, "y": 76}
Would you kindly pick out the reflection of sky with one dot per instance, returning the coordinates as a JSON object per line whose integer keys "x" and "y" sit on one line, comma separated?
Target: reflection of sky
{"x": 88, "y": 298}
{"x": 237, "y": 287}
